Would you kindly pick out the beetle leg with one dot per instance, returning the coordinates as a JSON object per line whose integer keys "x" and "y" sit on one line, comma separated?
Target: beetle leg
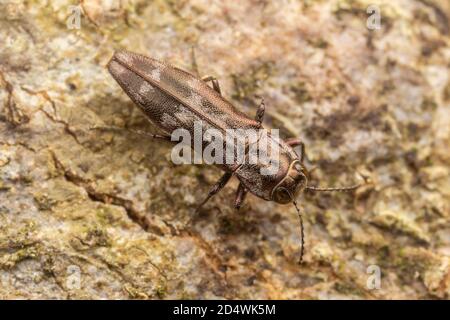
{"x": 134, "y": 131}
{"x": 217, "y": 187}
{"x": 214, "y": 81}
{"x": 294, "y": 142}
{"x": 240, "y": 196}
{"x": 260, "y": 112}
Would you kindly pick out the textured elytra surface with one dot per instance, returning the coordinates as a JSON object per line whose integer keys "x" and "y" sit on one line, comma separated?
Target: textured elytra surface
{"x": 112, "y": 206}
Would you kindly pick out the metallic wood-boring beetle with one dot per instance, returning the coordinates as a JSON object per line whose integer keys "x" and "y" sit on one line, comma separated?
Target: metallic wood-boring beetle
{"x": 172, "y": 98}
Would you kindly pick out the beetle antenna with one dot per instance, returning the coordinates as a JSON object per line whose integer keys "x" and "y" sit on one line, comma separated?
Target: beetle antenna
{"x": 302, "y": 234}
{"x": 341, "y": 189}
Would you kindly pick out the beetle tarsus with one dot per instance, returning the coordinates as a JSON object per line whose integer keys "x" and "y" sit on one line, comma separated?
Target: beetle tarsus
{"x": 339, "y": 189}
{"x": 214, "y": 82}
{"x": 240, "y": 196}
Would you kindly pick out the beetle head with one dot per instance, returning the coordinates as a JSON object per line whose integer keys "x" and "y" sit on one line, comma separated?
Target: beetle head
{"x": 291, "y": 185}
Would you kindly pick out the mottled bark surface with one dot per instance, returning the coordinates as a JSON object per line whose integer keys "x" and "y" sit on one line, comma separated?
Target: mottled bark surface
{"x": 112, "y": 208}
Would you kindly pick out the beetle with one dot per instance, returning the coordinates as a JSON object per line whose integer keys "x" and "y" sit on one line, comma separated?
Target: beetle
{"x": 172, "y": 98}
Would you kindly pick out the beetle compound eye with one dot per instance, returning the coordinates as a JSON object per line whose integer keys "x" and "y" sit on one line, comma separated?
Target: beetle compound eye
{"x": 281, "y": 195}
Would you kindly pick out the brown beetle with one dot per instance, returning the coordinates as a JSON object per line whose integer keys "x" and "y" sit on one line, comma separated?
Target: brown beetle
{"x": 172, "y": 99}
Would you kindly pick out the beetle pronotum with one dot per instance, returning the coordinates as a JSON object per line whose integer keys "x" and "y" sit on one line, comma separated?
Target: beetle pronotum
{"x": 161, "y": 90}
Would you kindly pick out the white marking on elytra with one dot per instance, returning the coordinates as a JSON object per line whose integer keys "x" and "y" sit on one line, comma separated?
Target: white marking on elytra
{"x": 145, "y": 88}
{"x": 137, "y": 96}
{"x": 155, "y": 74}
{"x": 186, "y": 116}
{"x": 178, "y": 108}
{"x": 194, "y": 83}
{"x": 195, "y": 99}
{"x": 168, "y": 121}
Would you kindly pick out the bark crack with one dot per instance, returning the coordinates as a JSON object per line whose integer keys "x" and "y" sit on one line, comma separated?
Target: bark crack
{"x": 103, "y": 197}
{"x": 53, "y": 117}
